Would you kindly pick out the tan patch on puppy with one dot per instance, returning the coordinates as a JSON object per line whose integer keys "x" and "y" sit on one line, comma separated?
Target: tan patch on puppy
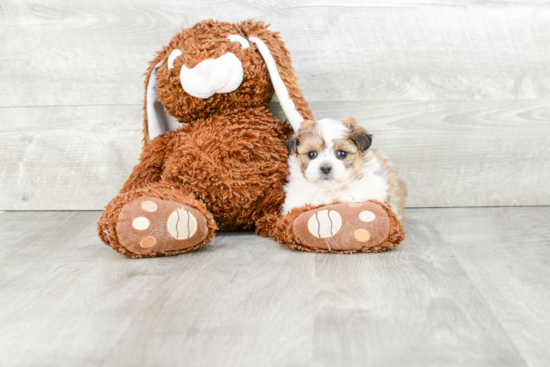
{"x": 359, "y": 136}
{"x": 307, "y": 125}
{"x": 353, "y": 158}
{"x": 307, "y": 140}
{"x": 397, "y": 191}
{"x": 357, "y": 142}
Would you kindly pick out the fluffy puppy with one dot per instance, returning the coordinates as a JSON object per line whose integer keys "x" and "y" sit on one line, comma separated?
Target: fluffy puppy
{"x": 330, "y": 161}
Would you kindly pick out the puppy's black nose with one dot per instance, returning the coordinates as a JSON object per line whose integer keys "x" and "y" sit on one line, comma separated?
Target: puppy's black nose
{"x": 326, "y": 169}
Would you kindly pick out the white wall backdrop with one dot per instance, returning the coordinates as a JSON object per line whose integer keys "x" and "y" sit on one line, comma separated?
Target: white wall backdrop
{"x": 457, "y": 93}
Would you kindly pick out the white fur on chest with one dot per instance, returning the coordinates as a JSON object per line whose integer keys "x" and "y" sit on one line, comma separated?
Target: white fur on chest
{"x": 299, "y": 192}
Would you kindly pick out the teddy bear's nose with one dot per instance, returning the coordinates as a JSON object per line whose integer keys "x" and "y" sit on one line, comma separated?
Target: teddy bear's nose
{"x": 205, "y": 68}
{"x": 221, "y": 75}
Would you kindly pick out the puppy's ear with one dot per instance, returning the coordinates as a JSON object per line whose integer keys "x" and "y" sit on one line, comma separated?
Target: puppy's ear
{"x": 306, "y": 124}
{"x": 359, "y": 136}
{"x": 363, "y": 139}
{"x": 292, "y": 144}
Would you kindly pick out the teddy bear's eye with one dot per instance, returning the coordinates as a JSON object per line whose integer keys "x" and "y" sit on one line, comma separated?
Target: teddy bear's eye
{"x": 312, "y": 154}
{"x": 240, "y": 40}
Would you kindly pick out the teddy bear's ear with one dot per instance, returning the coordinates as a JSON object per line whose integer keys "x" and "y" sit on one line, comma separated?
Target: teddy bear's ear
{"x": 157, "y": 121}
{"x": 277, "y": 59}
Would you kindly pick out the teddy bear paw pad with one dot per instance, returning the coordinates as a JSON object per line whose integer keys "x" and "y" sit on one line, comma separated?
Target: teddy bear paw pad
{"x": 345, "y": 227}
{"x": 149, "y": 224}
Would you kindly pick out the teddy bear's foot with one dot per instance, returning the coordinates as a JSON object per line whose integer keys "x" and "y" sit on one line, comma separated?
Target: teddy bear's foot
{"x": 347, "y": 227}
{"x": 150, "y": 225}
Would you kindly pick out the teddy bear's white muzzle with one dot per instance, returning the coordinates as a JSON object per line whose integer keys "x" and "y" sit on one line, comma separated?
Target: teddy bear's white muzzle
{"x": 221, "y": 75}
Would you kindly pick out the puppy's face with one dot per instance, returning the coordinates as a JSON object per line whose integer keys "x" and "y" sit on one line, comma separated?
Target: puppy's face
{"x": 329, "y": 151}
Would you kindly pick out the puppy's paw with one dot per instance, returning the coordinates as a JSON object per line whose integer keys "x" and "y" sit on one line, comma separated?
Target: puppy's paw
{"x": 354, "y": 197}
{"x": 319, "y": 200}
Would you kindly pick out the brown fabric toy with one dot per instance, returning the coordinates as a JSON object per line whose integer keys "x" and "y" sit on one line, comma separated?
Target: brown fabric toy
{"x": 340, "y": 228}
{"x": 214, "y": 157}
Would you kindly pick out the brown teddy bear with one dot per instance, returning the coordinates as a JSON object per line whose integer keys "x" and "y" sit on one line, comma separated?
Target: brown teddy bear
{"x": 214, "y": 157}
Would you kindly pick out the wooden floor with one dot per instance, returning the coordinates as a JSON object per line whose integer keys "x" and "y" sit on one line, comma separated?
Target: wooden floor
{"x": 468, "y": 287}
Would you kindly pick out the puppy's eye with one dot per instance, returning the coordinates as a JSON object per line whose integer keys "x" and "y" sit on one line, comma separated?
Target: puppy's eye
{"x": 312, "y": 154}
{"x": 341, "y": 154}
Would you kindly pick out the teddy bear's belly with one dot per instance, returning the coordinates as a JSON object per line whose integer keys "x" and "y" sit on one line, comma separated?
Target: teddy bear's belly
{"x": 237, "y": 171}
{"x": 238, "y": 198}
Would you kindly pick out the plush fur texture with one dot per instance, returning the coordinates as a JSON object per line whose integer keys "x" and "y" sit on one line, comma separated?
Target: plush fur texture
{"x": 208, "y": 40}
{"x": 331, "y": 161}
{"x": 228, "y": 159}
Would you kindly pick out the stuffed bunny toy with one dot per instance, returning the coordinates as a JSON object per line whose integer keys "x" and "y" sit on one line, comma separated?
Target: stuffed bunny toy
{"x": 213, "y": 157}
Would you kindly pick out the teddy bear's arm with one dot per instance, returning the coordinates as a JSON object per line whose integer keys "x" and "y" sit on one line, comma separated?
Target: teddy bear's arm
{"x": 149, "y": 168}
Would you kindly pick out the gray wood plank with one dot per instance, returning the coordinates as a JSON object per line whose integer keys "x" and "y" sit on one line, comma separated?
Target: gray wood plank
{"x": 412, "y": 307}
{"x": 439, "y": 299}
{"x": 74, "y": 299}
{"x": 450, "y": 153}
{"x": 85, "y": 304}
{"x": 67, "y": 157}
{"x": 43, "y": 230}
{"x": 89, "y": 53}
{"x": 506, "y": 253}
{"x": 243, "y": 301}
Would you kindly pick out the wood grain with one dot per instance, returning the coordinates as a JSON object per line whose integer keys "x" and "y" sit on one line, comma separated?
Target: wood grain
{"x": 468, "y": 286}
{"x": 418, "y": 299}
{"x": 457, "y": 93}
{"x": 506, "y": 253}
{"x": 450, "y": 153}
{"x": 67, "y": 157}
{"x": 85, "y": 304}
{"x": 88, "y": 53}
